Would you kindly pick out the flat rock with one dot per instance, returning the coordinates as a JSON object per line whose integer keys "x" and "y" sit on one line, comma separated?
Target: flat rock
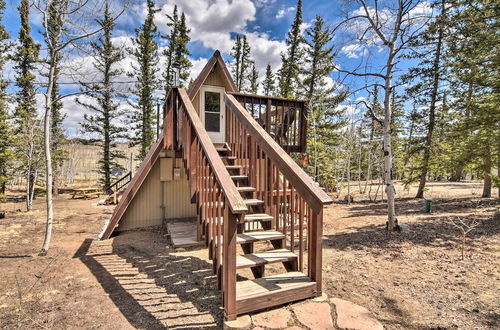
{"x": 276, "y": 318}
{"x": 322, "y": 298}
{"x": 352, "y": 316}
{"x": 314, "y": 315}
{"x": 241, "y": 322}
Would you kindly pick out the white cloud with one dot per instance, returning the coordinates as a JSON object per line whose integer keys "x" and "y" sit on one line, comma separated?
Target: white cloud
{"x": 197, "y": 67}
{"x": 354, "y": 50}
{"x": 283, "y": 11}
{"x": 211, "y": 23}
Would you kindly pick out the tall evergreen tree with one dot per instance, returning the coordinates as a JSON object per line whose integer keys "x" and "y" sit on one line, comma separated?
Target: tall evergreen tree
{"x": 242, "y": 63}
{"x": 169, "y": 52}
{"x": 254, "y": 76}
{"x": 103, "y": 123}
{"x": 427, "y": 76}
{"x": 177, "y": 52}
{"x": 291, "y": 60}
{"x": 323, "y": 100}
{"x": 146, "y": 53}
{"x": 269, "y": 85}
{"x": 245, "y": 65}
{"x": 59, "y": 154}
{"x": 6, "y": 140}
{"x": 28, "y": 124}
{"x": 182, "y": 52}
{"x": 236, "y": 55}
{"x": 473, "y": 58}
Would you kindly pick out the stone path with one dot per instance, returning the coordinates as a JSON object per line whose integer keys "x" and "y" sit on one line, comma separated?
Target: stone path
{"x": 317, "y": 314}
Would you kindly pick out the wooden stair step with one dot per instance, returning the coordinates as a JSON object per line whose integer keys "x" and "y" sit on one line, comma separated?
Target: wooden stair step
{"x": 258, "y": 217}
{"x": 239, "y": 177}
{"x": 253, "y": 202}
{"x": 264, "y": 258}
{"x": 229, "y": 157}
{"x": 233, "y": 167}
{"x": 256, "y": 236}
{"x": 246, "y": 189}
{"x": 273, "y": 290}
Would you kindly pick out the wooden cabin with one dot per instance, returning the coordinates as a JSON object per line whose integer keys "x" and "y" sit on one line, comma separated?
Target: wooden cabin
{"x": 222, "y": 167}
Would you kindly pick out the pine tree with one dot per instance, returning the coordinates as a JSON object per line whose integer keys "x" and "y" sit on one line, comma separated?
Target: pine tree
{"x": 59, "y": 154}
{"x": 236, "y": 55}
{"x": 28, "y": 125}
{"x": 146, "y": 53}
{"x": 291, "y": 60}
{"x": 269, "y": 85}
{"x": 473, "y": 58}
{"x": 6, "y": 135}
{"x": 242, "y": 63}
{"x": 254, "y": 76}
{"x": 181, "y": 51}
{"x": 245, "y": 65}
{"x": 103, "y": 123}
{"x": 168, "y": 53}
{"x": 324, "y": 121}
{"x": 426, "y": 77}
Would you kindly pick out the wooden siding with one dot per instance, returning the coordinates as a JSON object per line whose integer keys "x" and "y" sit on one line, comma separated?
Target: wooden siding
{"x": 145, "y": 208}
{"x": 215, "y": 78}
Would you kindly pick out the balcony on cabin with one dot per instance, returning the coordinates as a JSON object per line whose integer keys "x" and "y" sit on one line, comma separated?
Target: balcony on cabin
{"x": 284, "y": 119}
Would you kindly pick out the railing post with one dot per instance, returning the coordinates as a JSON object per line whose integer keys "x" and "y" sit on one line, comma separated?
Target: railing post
{"x": 229, "y": 263}
{"x": 174, "y": 118}
{"x": 316, "y": 242}
{"x": 167, "y": 123}
{"x": 303, "y": 127}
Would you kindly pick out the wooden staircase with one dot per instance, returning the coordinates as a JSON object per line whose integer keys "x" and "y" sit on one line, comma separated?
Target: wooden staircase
{"x": 116, "y": 189}
{"x": 258, "y": 212}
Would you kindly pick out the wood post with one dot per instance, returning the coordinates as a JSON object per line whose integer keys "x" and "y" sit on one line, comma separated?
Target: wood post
{"x": 229, "y": 264}
{"x": 316, "y": 242}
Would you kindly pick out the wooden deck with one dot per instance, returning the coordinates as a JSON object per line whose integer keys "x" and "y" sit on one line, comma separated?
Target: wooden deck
{"x": 272, "y": 290}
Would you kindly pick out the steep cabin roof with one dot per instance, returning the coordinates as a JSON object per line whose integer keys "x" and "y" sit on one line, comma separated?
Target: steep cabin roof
{"x": 215, "y": 73}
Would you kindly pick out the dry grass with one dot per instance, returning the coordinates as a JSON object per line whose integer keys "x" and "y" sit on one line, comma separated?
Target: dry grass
{"x": 413, "y": 280}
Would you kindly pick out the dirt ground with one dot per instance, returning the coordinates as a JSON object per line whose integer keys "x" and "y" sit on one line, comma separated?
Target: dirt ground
{"x": 409, "y": 280}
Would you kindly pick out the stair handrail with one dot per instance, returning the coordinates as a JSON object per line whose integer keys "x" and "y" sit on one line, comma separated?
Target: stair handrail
{"x": 117, "y": 182}
{"x": 304, "y": 184}
{"x": 228, "y": 187}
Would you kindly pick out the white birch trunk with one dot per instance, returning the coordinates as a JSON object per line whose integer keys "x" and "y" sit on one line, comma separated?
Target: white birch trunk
{"x": 387, "y": 148}
{"x": 48, "y": 160}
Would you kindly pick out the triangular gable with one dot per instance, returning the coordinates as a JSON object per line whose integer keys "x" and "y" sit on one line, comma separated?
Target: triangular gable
{"x": 153, "y": 154}
{"x": 216, "y": 59}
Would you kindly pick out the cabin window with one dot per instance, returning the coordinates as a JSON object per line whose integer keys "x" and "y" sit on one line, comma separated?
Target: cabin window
{"x": 212, "y": 111}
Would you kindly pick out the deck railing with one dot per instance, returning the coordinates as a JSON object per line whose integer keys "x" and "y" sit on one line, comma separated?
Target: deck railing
{"x": 289, "y": 194}
{"x": 283, "y": 119}
{"x": 119, "y": 184}
{"x": 220, "y": 205}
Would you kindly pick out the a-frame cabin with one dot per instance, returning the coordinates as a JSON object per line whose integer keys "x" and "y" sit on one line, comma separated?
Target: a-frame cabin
{"x": 223, "y": 160}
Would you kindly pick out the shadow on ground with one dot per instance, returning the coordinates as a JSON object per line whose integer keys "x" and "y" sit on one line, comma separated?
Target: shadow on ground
{"x": 413, "y": 206}
{"x": 433, "y": 230}
{"x": 155, "y": 290}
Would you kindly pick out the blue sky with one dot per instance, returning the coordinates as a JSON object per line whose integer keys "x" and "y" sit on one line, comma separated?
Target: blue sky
{"x": 214, "y": 24}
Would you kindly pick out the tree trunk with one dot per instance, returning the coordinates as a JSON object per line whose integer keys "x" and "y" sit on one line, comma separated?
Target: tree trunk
{"x": 432, "y": 111}
{"x": 387, "y": 149}
{"x": 487, "y": 172}
{"x": 457, "y": 175}
{"x": 55, "y": 184}
{"x": 48, "y": 155}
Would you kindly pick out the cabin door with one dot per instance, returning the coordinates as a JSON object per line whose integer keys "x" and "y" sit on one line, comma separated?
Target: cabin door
{"x": 213, "y": 112}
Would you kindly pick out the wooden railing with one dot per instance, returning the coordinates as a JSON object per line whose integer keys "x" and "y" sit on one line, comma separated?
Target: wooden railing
{"x": 284, "y": 119}
{"x": 289, "y": 194}
{"x": 220, "y": 205}
{"x": 119, "y": 184}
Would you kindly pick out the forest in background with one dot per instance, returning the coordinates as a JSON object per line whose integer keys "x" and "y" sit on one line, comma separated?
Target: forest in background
{"x": 436, "y": 119}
